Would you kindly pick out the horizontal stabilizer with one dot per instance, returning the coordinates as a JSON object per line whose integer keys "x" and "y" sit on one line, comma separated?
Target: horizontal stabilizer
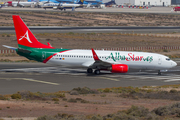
{"x": 13, "y": 48}
{"x": 24, "y": 51}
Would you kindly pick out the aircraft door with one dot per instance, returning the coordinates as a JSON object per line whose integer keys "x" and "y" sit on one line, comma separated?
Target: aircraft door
{"x": 159, "y": 60}
{"x": 43, "y": 55}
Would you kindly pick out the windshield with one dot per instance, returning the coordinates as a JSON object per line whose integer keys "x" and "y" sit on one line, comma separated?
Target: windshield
{"x": 168, "y": 59}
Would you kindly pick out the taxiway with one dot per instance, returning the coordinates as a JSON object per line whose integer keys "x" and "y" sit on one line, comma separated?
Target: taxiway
{"x": 46, "y": 78}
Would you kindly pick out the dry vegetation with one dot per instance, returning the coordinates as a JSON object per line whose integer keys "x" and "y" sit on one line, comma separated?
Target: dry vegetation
{"x": 43, "y": 18}
{"x": 126, "y": 103}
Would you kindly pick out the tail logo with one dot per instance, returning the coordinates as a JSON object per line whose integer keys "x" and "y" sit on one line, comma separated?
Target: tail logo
{"x": 26, "y": 35}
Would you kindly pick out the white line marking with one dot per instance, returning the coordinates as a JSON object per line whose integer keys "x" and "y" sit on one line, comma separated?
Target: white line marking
{"x": 109, "y": 78}
{"x": 172, "y": 80}
{"x": 32, "y": 80}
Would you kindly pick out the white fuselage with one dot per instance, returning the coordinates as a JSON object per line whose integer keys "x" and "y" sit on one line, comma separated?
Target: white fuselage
{"x": 15, "y": 4}
{"x": 135, "y": 60}
{"x": 62, "y": 5}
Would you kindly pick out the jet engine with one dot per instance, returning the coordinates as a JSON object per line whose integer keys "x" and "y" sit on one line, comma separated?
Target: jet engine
{"x": 119, "y": 68}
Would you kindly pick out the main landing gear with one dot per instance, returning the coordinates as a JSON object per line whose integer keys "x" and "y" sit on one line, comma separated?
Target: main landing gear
{"x": 97, "y": 72}
{"x": 90, "y": 70}
{"x": 159, "y": 72}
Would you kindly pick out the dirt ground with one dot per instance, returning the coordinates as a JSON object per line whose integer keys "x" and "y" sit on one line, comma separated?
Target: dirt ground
{"x": 42, "y": 18}
{"x": 102, "y": 104}
{"x": 101, "y": 41}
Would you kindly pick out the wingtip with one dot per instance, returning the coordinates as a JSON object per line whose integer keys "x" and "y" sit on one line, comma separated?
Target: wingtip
{"x": 13, "y": 48}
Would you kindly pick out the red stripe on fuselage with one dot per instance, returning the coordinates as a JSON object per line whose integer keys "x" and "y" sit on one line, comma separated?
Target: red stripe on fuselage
{"x": 47, "y": 59}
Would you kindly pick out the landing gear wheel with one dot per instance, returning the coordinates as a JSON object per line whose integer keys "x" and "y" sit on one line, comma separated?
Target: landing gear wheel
{"x": 97, "y": 72}
{"x": 89, "y": 70}
{"x": 159, "y": 72}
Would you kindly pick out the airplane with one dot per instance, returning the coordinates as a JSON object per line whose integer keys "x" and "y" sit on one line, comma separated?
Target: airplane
{"x": 93, "y": 3}
{"x": 2, "y": 4}
{"x": 21, "y": 4}
{"x": 112, "y": 2}
{"x": 98, "y": 3}
{"x": 93, "y": 60}
{"x": 54, "y": 1}
{"x": 64, "y": 6}
{"x": 175, "y": 9}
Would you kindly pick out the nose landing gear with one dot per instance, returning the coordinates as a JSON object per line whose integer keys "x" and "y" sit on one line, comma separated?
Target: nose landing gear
{"x": 159, "y": 72}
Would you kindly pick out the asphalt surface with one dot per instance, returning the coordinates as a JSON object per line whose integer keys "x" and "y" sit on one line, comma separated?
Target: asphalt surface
{"x": 46, "y": 78}
{"x": 54, "y": 29}
{"x": 154, "y": 10}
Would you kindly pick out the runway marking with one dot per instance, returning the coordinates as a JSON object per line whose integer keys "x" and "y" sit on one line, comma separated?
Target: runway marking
{"x": 172, "y": 80}
{"x": 109, "y": 78}
{"x": 141, "y": 76}
{"x": 32, "y": 80}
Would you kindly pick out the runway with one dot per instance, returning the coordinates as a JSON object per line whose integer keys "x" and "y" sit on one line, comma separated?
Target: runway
{"x": 46, "y": 78}
{"x": 109, "y": 29}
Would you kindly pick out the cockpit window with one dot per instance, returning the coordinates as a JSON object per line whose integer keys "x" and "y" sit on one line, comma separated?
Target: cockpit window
{"x": 168, "y": 59}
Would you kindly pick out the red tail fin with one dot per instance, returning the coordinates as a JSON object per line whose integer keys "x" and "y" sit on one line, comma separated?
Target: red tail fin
{"x": 24, "y": 35}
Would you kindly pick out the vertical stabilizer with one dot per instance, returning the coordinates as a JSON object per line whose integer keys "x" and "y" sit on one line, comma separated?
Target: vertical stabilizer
{"x": 80, "y": 2}
{"x": 25, "y": 36}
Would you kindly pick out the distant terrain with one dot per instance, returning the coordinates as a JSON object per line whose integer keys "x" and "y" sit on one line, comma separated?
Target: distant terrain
{"x": 42, "y": 18}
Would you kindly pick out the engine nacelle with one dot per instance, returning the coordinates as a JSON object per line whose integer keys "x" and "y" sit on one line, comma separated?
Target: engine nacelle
{"x": 119, "y": 68}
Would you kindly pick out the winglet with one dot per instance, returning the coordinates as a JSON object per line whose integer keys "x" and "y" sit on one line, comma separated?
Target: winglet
{"x": 95, "y": 55}
{"x": 49, "y": 44}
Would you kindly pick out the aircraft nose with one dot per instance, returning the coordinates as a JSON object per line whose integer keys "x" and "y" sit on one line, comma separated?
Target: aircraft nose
{"x": 174, "y": 64}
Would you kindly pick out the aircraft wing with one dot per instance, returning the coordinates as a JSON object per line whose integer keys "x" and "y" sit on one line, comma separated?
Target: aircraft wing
{"x": 99, "y": 63}
{"x": 20, "y": 4}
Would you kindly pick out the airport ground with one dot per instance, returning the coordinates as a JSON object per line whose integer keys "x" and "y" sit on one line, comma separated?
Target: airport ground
{"x": 161, "y": 10}
{"x": 40, "y": 77}
{"x": 73, "y": 40}
{"x": 94, "y": 18}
